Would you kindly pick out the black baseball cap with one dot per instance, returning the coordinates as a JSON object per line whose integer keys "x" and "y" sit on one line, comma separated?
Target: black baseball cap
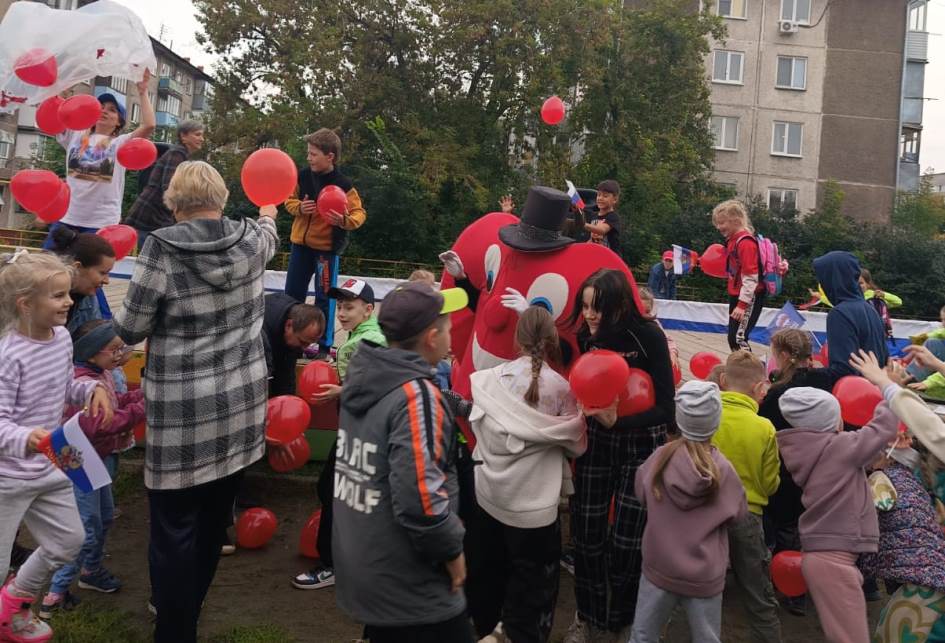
{"x": 353, "y": 289}
{"x": 412, "y": 307}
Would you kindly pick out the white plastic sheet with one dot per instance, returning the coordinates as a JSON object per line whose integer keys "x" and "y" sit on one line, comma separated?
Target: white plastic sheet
{"x": 100, "y": 39}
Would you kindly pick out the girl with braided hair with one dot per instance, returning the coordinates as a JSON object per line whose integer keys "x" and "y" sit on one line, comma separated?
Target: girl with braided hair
{"x": 527, "y": 424}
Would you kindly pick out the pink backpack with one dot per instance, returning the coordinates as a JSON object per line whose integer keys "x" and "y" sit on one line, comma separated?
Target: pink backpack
{"x": 771, "y": 266}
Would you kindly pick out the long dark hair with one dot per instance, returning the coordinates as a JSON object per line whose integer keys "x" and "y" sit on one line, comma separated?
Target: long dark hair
{"x": 613, "y": 297}
{"x": 86, "y": 248}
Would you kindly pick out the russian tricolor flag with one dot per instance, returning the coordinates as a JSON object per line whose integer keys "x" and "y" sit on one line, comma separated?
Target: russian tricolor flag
{"x": 70, "y": 450}
{"x": 684, "y": 260}
{"x": 575, "y": 196}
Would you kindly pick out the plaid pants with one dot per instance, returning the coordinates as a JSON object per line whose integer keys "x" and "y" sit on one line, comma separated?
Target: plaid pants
{"x": 604, "y": 558}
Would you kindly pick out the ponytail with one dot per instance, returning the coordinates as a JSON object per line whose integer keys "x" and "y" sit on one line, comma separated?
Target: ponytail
{"x": 537, "y": 338}
{"x": 86, "y": 248}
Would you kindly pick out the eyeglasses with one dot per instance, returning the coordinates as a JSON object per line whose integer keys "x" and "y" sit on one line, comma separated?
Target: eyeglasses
{"x": 120, "y": 352}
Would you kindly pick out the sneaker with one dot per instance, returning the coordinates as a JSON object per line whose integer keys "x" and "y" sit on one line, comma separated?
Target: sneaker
{"x": 18, "y": 624}
{"x": 315, "y": 579}
{"x": 228, "y": 548}
{"x": 54, "y": 602}
{"x": 567, "y": 561}
{"x": 101, "y": 580}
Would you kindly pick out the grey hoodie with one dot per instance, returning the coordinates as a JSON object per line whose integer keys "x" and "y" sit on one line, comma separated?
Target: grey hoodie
{"x": 396, "y": 493}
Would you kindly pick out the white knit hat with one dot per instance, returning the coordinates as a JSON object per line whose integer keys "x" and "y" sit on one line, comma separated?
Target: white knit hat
{"x": 698, "y": 410}
{"x": 810, "y": 408}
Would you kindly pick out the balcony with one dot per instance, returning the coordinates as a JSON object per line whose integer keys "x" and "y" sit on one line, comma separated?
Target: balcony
{"x": 166, "y": 119}
{"x": 167, "y": 85}
{"x": 917, "y": 46}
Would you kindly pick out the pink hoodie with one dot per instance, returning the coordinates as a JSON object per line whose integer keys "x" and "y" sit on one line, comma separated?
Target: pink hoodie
{"x": 129, "y": 410}
{"x": 839, "y": 514}
{"x": 685, "y": 543}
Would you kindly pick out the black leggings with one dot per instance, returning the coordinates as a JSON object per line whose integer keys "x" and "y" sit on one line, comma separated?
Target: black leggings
{"x": 738, "y": 331}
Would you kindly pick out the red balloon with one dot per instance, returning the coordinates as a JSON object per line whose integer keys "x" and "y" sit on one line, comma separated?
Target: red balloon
{"x": 47, "y": 116}
{"x": 255, "y": 527}
{"x": 331, "y": 199}
{"x": 122, "y": 237}
{"x": 858, "y": 399}
{"x": 677, "y": 374}
{"x": 35, "y": 189}
{"x": 701, "y": 364}
{"x": 289, "y": 457}
{"x": 140, "y": 431}
{"x": 137, "y": 154}
{"x": 552, "y": 111}
{"x": 80, "y": 112}
{"x": 308, "y": 539}
{"x": 638, "y": 396}
{"x": 287, "y": 418}
{"x": 313, "y": 376}
{"x": 268, "y": 177}
{"x": 598, "y": 377}
{"x": 786, "y": 573}
{"x": 36, "y": 67}
{"x": 58, "y": 207}
{"x": 714, "y": 261}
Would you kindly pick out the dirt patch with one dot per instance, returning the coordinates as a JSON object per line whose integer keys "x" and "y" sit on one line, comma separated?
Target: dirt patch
{"x": 252, "y": 587}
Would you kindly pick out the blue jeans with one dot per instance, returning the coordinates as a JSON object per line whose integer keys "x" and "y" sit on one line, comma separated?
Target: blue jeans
{"x": 48, "y": 245}
{"x": 97, "y": 510}
{"x": 305, "y": 262}
{"x": 937, "y": 348}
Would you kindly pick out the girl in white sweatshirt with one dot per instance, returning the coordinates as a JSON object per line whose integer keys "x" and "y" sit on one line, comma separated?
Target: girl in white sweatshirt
{"x": 526, "y": 424}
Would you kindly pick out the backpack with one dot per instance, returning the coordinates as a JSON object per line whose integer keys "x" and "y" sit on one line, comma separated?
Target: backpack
{"x": 771, "y": 266}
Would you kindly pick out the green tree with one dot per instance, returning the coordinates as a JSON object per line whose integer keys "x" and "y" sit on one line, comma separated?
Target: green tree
{"x": 922, "y": 210}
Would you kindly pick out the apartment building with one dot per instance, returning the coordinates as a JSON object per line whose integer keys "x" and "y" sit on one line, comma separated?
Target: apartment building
{"x": 810, "y": 91}
{"x": 179, "y": 91}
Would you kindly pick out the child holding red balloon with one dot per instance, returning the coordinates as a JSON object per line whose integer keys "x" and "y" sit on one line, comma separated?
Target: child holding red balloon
{"x": 526, "y": 424}
{"x": 839, "y": 522}
{"x": 748, "y": 442}
{"x": 746, "y": 292}
{"x": 693, "y": 495}
{"x": 607, "y": 561}
{"x": 36, "y": 380}
{"x": 320, "y": 231}
{"x": 97, "y": 351}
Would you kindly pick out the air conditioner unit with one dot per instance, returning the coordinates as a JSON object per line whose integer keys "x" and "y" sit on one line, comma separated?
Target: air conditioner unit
{"x": 787, "y": 26}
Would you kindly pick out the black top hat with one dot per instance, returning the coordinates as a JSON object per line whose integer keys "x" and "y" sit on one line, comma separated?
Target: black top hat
{"x": 540, "y": 227}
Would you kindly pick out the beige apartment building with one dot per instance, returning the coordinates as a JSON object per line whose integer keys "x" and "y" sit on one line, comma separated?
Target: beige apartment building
{"x": 808, "y": 91}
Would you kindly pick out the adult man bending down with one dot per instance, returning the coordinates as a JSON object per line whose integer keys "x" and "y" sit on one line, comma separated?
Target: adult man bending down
{"x": 288, "y": 327}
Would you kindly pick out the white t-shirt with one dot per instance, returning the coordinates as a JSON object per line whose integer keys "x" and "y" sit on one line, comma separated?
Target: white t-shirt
{"x": 97, "y": 181}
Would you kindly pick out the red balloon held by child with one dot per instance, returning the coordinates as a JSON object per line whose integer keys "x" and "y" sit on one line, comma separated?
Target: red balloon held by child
{"x": 58, "y": 207}
{"x": 36, "y": 67}
{"x": 552, "y": 111}
{"x": 638, "y": 396}
{"x": 858, "y": 399}
{"x": 314, "y": 376}
{"x": 80, "y": 112}
{"x": 35, "y": 189}
{"x": 289, "y": 457}
{"x": 47, "y": 116}
{"x": 308, "y": 539}
{"x": 786, "y": 573}
{"x": 331, "y": 199}
{"x": 598, "y": 377}
{"x": 255, "y": 527}
{"x": 702, "y": 363}
{"x": 287, "y": 417}
{"x": 268, "y": 176}
{"x": 137, "y": 154}
{"x": 121, "y": 237}
{"x": 714, "y": 261}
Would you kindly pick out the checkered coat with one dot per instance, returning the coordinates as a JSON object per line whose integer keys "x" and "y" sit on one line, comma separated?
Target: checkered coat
{"x": 197, "y": 297}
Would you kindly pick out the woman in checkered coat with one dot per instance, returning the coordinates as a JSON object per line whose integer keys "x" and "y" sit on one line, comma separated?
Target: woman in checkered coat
{"x": 197, "y": 297}
{"x": 608, "y": 561}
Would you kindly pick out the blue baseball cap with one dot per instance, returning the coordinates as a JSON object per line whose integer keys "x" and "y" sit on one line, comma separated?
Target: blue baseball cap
{"x": 108, "y": 97}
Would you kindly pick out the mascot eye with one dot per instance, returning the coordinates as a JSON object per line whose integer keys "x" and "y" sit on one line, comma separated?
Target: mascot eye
{"x": 493, "y": 262}
{"x": 549, "y": 291}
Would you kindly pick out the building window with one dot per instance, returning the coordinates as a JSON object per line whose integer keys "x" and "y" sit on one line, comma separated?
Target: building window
{"x": 792, "y": 72}
{"x": 136, "y": 113}
{"x": 172, "y": 105}
{"x": 165, "y": 70}
{"x": 725, "y": 131}
{"x": 787, "y": 139}
{"x": 727, "y": 67}
{"x": 917, "y": 17}
{"x": 119, "y": 84}
{"x": 732, "y": 8}
{"x": 150, "y": 97}
{"x": 796, "y": 11}
{"x": 909, "y": 145}
{"x": 6, "y": 147}
{"x": 782, "y": 199}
